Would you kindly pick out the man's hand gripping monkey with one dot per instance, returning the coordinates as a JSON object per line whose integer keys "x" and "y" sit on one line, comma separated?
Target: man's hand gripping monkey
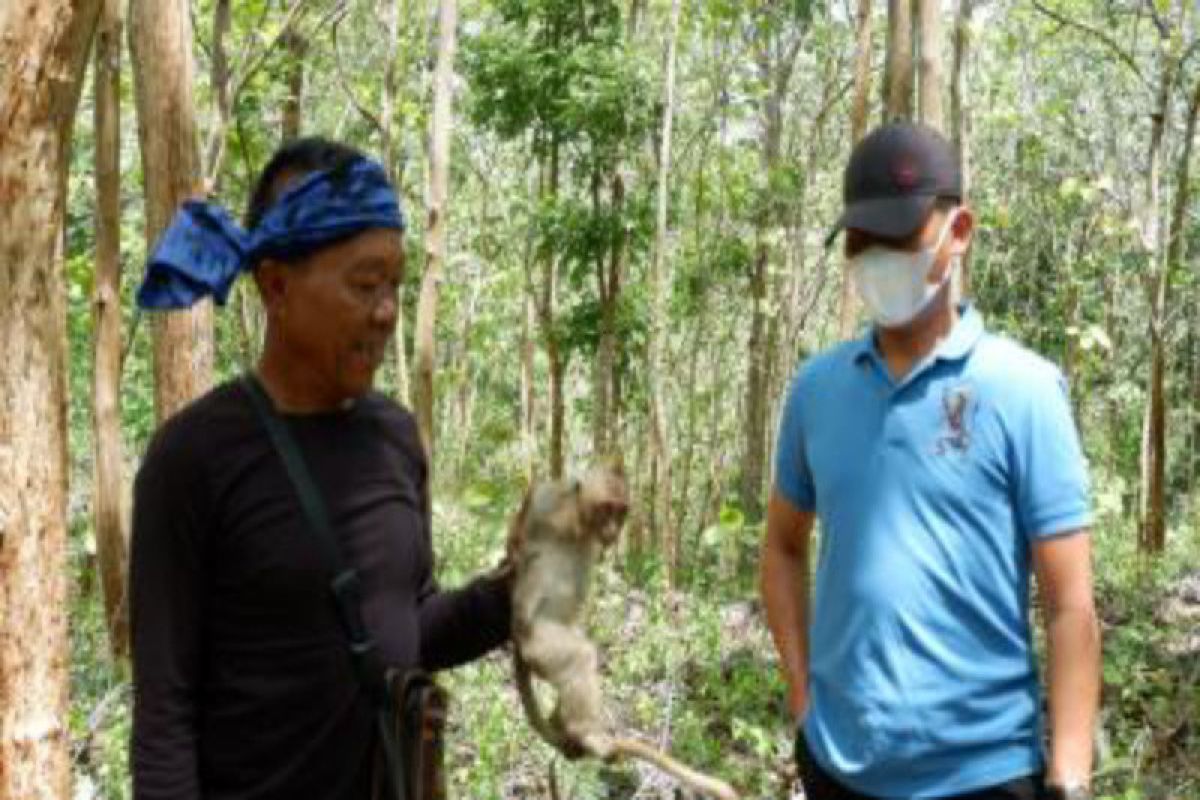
{"x": 562, "y": 529}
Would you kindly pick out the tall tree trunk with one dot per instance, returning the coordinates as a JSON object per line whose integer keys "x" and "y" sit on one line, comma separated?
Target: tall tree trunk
{"x": 392, "y": 13}
{"x": 219, "y": 77}
{"x": 160, "y": 39}
{"x": 660, "y": 445}
{"x": 1152, "y": 529}
{"x": 858, "y": 129}
{"x": 528, "y": 396}
{"x": 547, "y": 313}
{"x": 1154, "y": 445}
{"x": 435, "y": 235}
{"x": 610, "y": 269}
{"x": 1194, "y": 383}
{"x": 929, "y": 14}
{"x": 898, "y": 74}
{"x": 43, "y": 51}
{"x": 112, "y": 546}
{"x": 960, "y": 118}
{"x": 293, "y": 103}
{"x": 775, "y": 70}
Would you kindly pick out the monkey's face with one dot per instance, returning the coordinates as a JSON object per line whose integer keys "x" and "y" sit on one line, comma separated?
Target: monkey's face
{"x": 591, "y": 508}
{"x": 603, "y": 504}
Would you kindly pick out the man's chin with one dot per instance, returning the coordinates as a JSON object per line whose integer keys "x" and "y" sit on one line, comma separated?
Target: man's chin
{"x": 357, "y": 383}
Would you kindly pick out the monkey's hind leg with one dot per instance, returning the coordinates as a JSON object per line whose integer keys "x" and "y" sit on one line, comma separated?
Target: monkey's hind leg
{"x": 563, "y": 657}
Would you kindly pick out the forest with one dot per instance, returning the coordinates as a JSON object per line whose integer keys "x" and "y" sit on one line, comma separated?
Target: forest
{"x": 616, "y": 248}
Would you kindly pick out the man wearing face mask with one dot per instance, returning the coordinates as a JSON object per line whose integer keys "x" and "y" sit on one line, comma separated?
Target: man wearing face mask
{"x": 944, "y": 466}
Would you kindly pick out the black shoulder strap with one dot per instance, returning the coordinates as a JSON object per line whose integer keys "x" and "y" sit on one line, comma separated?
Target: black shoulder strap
{"x": 344, "y": 584}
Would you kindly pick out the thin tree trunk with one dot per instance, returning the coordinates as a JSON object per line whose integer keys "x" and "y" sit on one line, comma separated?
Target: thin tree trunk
{"x": 528, "y": 398}
{"x": 112, "y": 546}
{"x": 1152, "y": 533}
{"x": 391, "y": 162}
{"x": 660, "y": 445}
{"x": 898, "y": 75}
{"x": 1194, "y": 383}
{"x": 435, "y": 236}
{"x": 391, "y": 88}
{"x": 610, "y": 269}
{"x": 929, "y": 14}
{"x": 547, "y": 311}
{"x": 293, "y": 103}
{"x": 960, "y": 119}
{"x": 222, "y": 99}
{"x": 775, "y": 70}
{"x": 160, "y": 38}
{"x": 43, "y": 52}
{"x": 858, "y": 129}
{"x": 228, "y": 79}
{"x": 1154, "y": 456}
{"x": 602, "y": 365}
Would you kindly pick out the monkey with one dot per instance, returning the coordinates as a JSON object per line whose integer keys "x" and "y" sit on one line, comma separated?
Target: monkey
{"x": 560, "y": 532}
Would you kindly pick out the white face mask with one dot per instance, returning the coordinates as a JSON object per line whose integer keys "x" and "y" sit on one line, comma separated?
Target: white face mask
{"x": 892, "y": 283}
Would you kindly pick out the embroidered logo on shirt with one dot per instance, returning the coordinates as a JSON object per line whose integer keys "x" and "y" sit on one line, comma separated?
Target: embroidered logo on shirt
{"x": 957, "y": 408}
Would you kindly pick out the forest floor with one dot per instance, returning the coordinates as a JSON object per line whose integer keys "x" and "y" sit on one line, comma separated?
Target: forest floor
{"x": 693, "y": 669}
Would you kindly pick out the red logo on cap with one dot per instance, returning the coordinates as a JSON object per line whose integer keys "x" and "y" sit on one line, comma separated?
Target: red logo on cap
{"x": 905, "y": 173}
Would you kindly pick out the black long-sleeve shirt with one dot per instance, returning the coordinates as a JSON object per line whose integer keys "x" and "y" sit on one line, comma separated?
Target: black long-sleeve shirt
{"x": 244, "y": 688}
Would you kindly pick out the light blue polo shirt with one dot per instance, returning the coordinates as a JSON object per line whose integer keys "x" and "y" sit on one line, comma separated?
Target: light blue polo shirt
{"x": 930, "y": 492}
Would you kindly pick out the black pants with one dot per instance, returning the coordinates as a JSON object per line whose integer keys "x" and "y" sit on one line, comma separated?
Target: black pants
{"x": 820, "y": 785}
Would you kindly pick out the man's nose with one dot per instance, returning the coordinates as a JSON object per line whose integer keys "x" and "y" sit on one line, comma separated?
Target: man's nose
{"x": 385, "y": 309}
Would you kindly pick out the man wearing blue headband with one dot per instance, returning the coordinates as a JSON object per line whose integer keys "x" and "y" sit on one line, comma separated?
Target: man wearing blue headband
{"x": 243, "y": 686}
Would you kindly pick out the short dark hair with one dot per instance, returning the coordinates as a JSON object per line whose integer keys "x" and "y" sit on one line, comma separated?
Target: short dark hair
{"x": 295, "y": 159}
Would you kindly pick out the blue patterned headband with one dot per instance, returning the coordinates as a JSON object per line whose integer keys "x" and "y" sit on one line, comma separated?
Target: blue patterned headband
{"x": 203, "y": 250}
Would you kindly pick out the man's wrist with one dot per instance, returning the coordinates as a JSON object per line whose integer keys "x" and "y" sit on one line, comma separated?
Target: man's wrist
{"x": 1068, "y": 790}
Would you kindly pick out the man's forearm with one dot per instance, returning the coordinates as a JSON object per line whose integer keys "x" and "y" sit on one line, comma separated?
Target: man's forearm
{"x": 784, "y": 587}
{"x": 1074, "y": 693}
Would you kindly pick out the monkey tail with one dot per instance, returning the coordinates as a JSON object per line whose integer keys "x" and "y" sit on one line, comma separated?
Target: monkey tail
{"x": 696, "y": 781}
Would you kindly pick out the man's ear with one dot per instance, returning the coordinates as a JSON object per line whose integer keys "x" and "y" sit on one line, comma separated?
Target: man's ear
{"x": 272, "y": 277}
{"x": 961, "y": 231}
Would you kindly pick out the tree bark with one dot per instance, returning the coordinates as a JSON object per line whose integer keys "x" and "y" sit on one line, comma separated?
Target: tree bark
{"x": 848, "y": 315}
{"x": 1154, "y": 444}
{"x": 293, "y": 105}
{"x": 528, "y": 397}
{"x": 222, "y": 97}
{"x": 43, "y": 52}
{"x": 391, "y": 162}
{"x": 660, "y": 445}
{"x": 929, "y": 13}
{"x": 1152, "y": 528}
{"x": 435, "y": 235}
{"x": 898, "y": 75}
{"x": 112, "y": 546}
{"x": 960, "y": 119}
{"x": 160, "y": 39}
{"x": 547, "y": 313}
{"x": 775, "y": 65}
{"x": 610, "y": 276}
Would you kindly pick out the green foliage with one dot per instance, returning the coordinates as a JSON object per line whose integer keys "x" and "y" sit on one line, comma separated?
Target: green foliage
{"x": 559, "y": 69}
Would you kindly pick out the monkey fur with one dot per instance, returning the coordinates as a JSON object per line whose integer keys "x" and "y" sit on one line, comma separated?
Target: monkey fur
{"x": 562, "y": 529}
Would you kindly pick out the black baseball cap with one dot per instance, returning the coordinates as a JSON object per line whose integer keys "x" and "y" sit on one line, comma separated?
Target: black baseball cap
{"x": 895, "y": 175}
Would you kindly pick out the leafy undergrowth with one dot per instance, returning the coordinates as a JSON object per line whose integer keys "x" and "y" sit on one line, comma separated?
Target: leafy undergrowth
{"x": 693, "y": 670}
{"x": 1150, "y": 746}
